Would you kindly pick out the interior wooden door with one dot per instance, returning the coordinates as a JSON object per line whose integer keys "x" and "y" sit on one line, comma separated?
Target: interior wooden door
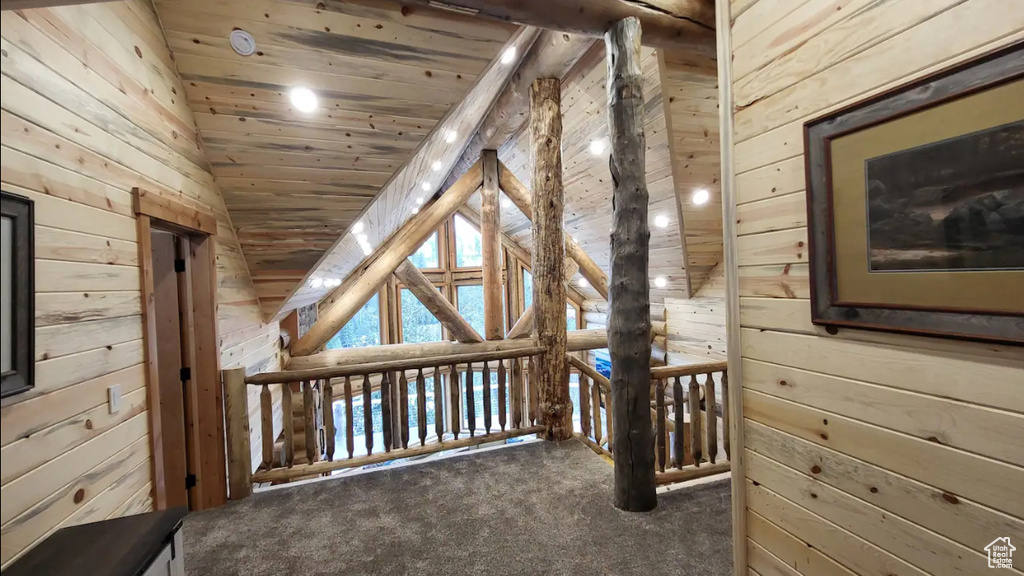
{"x": 169, "y": 355}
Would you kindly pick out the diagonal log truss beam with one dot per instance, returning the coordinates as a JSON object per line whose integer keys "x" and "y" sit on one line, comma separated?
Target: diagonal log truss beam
{"x": 436, "y": 303}
{"x": 340, "y": 306}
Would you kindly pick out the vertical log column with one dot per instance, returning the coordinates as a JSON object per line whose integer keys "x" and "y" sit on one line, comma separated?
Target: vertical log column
{"x": 490, "y": 228}
{"x": 629, "y": 318}
{"x": 552, "y": 376}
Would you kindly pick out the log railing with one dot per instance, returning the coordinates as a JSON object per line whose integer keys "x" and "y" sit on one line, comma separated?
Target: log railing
{"x": 426, "y": 405}
{"x": 688, "y": 420}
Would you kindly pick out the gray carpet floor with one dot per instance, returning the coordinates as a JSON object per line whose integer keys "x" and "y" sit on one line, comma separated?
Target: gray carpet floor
{"x": 533, "y": 509}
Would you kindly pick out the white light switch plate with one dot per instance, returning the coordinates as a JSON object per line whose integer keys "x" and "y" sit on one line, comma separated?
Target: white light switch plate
{"x": 114, "y": 398}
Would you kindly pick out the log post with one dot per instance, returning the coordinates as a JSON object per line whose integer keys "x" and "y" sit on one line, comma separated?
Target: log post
{"x": 490, "y": 228}
{"x": 629, "y": 318}
{"x": 552, "y": 377}
{"x": 236, "y": 416}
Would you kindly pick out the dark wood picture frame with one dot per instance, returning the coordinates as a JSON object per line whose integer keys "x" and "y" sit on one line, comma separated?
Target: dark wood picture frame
{"x": 21, "y": 212}
{"x": 979, "y": 74}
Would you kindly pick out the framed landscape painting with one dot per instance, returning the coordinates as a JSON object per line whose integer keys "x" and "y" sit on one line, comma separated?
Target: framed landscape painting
{"x": 915, "y": 206}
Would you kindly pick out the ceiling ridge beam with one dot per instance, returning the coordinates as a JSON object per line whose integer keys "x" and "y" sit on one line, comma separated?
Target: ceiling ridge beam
{"x": 443, "y": 310}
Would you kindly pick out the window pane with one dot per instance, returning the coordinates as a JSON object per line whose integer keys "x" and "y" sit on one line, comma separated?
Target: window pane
{"x": 570, "y": 318}
{"x": 418, "y": 324}
{"x": 468, "y": 245}
{"x": 427, "y": 255}
{"x": 362, "y": 330}
{"x": 471, "y": 306}
{"x": 527, "y": 288}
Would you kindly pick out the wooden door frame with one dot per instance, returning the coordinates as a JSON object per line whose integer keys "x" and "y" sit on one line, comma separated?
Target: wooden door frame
{"x": 205, "y": 404}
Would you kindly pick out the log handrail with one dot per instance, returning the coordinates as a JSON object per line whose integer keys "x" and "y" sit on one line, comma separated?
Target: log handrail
{"x": 386, "y": 366}
{"x": 665, "y": 372}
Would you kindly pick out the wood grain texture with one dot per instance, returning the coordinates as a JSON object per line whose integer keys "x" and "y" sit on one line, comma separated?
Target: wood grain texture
{"x": 629, "y": 315}
{"x": 93, "y": 107}
{"x": 866, "y": 447}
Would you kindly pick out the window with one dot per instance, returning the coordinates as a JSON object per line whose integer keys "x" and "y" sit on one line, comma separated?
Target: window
{"x": 468, "y": 244}
{"x": 570, "y": 318}
{"x": 527, "y": 288}
{"x": 17, "y": 294}
{"x": 418, "y": 324}
{"x": 428, "y": 255}
{"x": 362, "y": 330}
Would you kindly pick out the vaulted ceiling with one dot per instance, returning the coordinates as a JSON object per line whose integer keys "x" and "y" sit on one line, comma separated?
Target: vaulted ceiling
{"x": 387, "y": 77}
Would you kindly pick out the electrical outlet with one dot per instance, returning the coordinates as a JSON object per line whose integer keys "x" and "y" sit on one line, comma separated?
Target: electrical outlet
{"x": 114, "y": 398}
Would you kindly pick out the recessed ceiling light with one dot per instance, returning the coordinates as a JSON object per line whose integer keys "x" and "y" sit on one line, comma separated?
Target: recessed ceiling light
{"x": 701, "y": 197}
{"x": 509, "y": 55}
{"x": 450, "y": 136}
{"x": 361, "y": 238}
{"x": 661, "y": 221}
{"x": 358, "y": 227}
{"x": 425, "y": 186}
{"x": 303, "y": 99}
{"x": 506, "y": 203}
{"x": 436, "y": 166}
{"x": 419, "y": 200}
{"x": 416, "y": 210}
{"x": 367, "y": 250}
{"x": 582, "y": 283}
{"x": 598, "y": 146}
{"x": 660, "y": 282}
{"x": 316, "y": 282}
{"x": 242, "y": 42}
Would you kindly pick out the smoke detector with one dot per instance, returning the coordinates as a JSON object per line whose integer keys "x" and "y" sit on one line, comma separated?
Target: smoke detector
{"x": 242, "y": 42}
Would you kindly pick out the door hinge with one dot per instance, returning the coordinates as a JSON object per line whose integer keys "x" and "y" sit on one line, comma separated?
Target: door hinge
{"x": 190, "y": 481}
{"x": 179, "y": 264}
{"x": 186, "y": 374}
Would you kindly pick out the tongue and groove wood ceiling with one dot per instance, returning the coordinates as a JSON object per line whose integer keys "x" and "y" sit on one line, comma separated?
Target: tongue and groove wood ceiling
{"x": 293, "y": 182}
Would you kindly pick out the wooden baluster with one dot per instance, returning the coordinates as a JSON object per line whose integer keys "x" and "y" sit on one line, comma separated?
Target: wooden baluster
{"x": 711, "y": 408}
{"x": 289, "y": 425}
{"x": 470, "y": 401}
{"x": 421, "y": 406}
{"x": 585, "y": 405}
{"x": 609, "y": 418}
{"x": 595, "y": 398}
{"x": 660, "y": 417}
{"x": 695, "y": 439}
{"x": 725, "y": 414}
{"x": 403, "y": 408}
{"x": 487, "y": 398}
{"x": 679, "y": 450}
{"x": 531, "y": 372}
{"x": 517, "y": 393}
{"x": 267, "y": 426}
{"x": 328, "y": 408}
{"x": 387, "y": 421}
{"x": 502, "y": 403}
{"x": 368, "y": 414}
{"x": 350, "y": 439}
{"x": 309, "y": 420}
{"x": 438, "y": 405}
{"x": 454, "y": 395}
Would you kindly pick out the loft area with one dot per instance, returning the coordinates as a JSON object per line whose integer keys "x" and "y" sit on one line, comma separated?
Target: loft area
{"x": 393, "y": 287}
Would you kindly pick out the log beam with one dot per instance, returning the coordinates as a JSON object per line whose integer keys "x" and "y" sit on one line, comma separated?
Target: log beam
{"x": 674, "y": 25}
{"x": 339, "y": 307}
{"x": 629, "y": 317}
{"x": 438, "y": 305}
{"x": 549, "y": 294}
{"x": 490, "y": 227}
{"x": 517, "y": 192}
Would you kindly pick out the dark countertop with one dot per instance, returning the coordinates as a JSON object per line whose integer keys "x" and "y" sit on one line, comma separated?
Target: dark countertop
{"x": 119, "y": 547}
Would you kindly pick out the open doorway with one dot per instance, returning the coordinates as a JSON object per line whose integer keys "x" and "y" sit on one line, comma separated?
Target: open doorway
{"x": 176, "y": 255}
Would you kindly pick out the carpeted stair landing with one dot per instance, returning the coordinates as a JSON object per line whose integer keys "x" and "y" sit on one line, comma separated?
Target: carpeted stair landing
{"x": 533, "y": 509}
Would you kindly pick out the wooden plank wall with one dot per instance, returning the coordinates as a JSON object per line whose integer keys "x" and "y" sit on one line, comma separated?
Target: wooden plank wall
{"x": 91, "y": 107}
{"x": 696, "y": 326}
{"x": 866, "y": 453}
